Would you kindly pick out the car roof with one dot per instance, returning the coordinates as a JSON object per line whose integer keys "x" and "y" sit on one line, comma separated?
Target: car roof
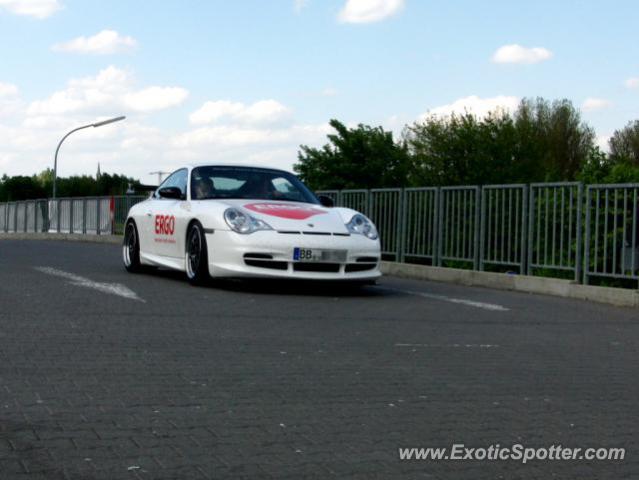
{"x": 245, "y": 165}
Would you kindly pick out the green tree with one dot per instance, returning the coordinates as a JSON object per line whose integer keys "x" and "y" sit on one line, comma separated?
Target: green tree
{"x": 624, "y": 144}
{"x": 621, "y": 165}
{"x": 41, "y": 186}
{"x": 554, "y": 142}
{"x": 362, "y": 157}
{"x": 540, "y": 141}
{"x": 461, "y": 149}
{"x": 20, "y": 188}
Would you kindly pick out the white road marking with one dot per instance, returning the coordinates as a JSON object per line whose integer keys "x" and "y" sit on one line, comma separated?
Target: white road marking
{"x": 451, "y": 345}
{"x": 78, "y": 281}
{"x": 470, "y": 303}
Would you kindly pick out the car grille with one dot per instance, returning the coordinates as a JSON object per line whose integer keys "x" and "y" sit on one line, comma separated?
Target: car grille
{"x": 308, "y": 232}
{"x": 265, "y": 260}
{"x": 316, "y": 267}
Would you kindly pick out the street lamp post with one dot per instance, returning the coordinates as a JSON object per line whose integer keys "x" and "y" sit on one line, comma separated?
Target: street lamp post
{"x": 94, "y": 125}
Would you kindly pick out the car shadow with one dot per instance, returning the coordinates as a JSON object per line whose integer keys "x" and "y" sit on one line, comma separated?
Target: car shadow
{"x": 270, "y": 286}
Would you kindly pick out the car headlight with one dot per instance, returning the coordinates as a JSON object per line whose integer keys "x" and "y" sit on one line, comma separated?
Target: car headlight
{"x": 361, "y": 225}
{"x": 242, "y": 222}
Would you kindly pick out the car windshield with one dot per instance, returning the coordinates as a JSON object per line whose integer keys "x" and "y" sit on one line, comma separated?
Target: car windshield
{"x": 250, "y": 183}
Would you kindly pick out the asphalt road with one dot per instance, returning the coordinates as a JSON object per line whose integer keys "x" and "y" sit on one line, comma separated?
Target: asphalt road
{"x": 108, "y": 375}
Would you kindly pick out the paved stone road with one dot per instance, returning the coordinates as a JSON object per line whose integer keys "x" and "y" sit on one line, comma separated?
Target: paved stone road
{"x": 272, "y": 380}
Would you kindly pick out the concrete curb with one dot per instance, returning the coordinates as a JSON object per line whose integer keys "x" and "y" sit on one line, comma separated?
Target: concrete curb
{"x": 619, "y": 297}
{"x": 71, "y": 237}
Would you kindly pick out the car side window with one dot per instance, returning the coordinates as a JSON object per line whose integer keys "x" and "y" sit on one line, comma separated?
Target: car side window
{"x": 176, "y": 179}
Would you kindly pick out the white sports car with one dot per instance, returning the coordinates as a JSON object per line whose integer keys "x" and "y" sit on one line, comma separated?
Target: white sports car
{"x": 240, "y": 221}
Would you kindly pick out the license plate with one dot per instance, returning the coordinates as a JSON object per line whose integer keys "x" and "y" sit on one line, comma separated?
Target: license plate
{"x": 318, "y": 255}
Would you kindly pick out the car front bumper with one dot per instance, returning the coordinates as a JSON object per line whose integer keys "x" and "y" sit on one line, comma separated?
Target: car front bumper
{"x": 269, "y": 254}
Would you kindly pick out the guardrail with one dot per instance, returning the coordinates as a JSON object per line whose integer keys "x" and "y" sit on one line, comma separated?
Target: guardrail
{"x": 82, "y": 215}
{"x": 543, "y": 229}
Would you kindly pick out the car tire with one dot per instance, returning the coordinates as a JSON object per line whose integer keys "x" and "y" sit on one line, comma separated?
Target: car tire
{"x": 131, "y": 248}
{"x": 196, "y": 255}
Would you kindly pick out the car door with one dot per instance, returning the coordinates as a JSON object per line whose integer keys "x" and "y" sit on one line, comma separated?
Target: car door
{"x": 166, "y": 216}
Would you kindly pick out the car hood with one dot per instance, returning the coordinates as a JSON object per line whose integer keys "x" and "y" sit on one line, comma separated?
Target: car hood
{"x": 293, "y": 216}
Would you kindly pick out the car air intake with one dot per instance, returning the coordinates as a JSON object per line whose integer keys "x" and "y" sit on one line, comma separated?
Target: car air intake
{"x": 316, "y": 267}
{"x": 266, "y": 264}
{"x": 259, "y": 256}
{"x": 359, "y": 267}
{"x": 264, "y": 260}
{"x": 367, "y": 260}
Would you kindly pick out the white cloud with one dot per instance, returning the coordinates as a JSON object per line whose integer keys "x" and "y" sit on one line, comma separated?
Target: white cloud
{"x": 330, "y": 92}
{"x": 242, "y": 136}
{"x": 155, "y": 98}
{"x": 299, "y": 5}
{"x": 591, "y": 104}
{"x": 480, "y": 107}
{"x": 368, "y": 11}
{"x": 111, "y": 89}
{"x": 10, "y": 102}
{"x": 261, "y": 112}
{"x": 632, "y": 82}
{"x": 518, "y": 54}
{"x": 223, "y": 136}
{"x": 103, "y": 43}
{"x": 603, "y": 142}
{"x": 238, "y": 132}
{"x": 31, "y": 8}
{"x": 8, "y": 90}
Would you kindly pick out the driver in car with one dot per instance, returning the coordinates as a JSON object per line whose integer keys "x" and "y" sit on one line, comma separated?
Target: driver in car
{"x": 203, "y": 188}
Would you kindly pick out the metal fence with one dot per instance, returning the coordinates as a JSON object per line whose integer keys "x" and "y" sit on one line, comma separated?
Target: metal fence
{"x": 612, "y": 231}
{"x": 503, "y": 226}
{"x": 549, "y": 229}
{"x": 558, "y": 229}
{"x": 85, "y": 215}
{"x": 555, "y": 228}
{"x": 458, "y": 231}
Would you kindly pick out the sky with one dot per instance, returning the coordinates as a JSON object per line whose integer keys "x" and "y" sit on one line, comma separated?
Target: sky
{"x": 248, "y": 81}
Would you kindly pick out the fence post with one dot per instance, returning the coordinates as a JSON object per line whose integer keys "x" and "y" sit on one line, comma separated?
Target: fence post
{"x": 112, "y": 214}
{"x": 402, "y": 225}
{"x": 84, "y": 216}
{"x": 524, "y": 229}
{"x": 586, "y": 254}
{"x": 71, "y": 202}
{"x": 476, "y": 233}
{"x": 531, "y": 228}
{"x": 578, "y": 253}
{"x": 482, "y": 228}
{"x": 435, "y": 225}
{"x": 440, "y": 222}
{"x": 15, "y": 218}
{"x": 46, "y": 220}
{"x": 58, "y": 214}
{"x": 97, "y": 228}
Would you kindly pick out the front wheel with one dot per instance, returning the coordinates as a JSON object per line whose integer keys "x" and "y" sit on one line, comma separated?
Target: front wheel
{"x": 197, "y": 263}
{"x": 131, "y": 248}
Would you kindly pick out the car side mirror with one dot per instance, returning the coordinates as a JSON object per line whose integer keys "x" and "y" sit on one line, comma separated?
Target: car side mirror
{"x": 326, "y": 201}
{"x": 170, "y": 192}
